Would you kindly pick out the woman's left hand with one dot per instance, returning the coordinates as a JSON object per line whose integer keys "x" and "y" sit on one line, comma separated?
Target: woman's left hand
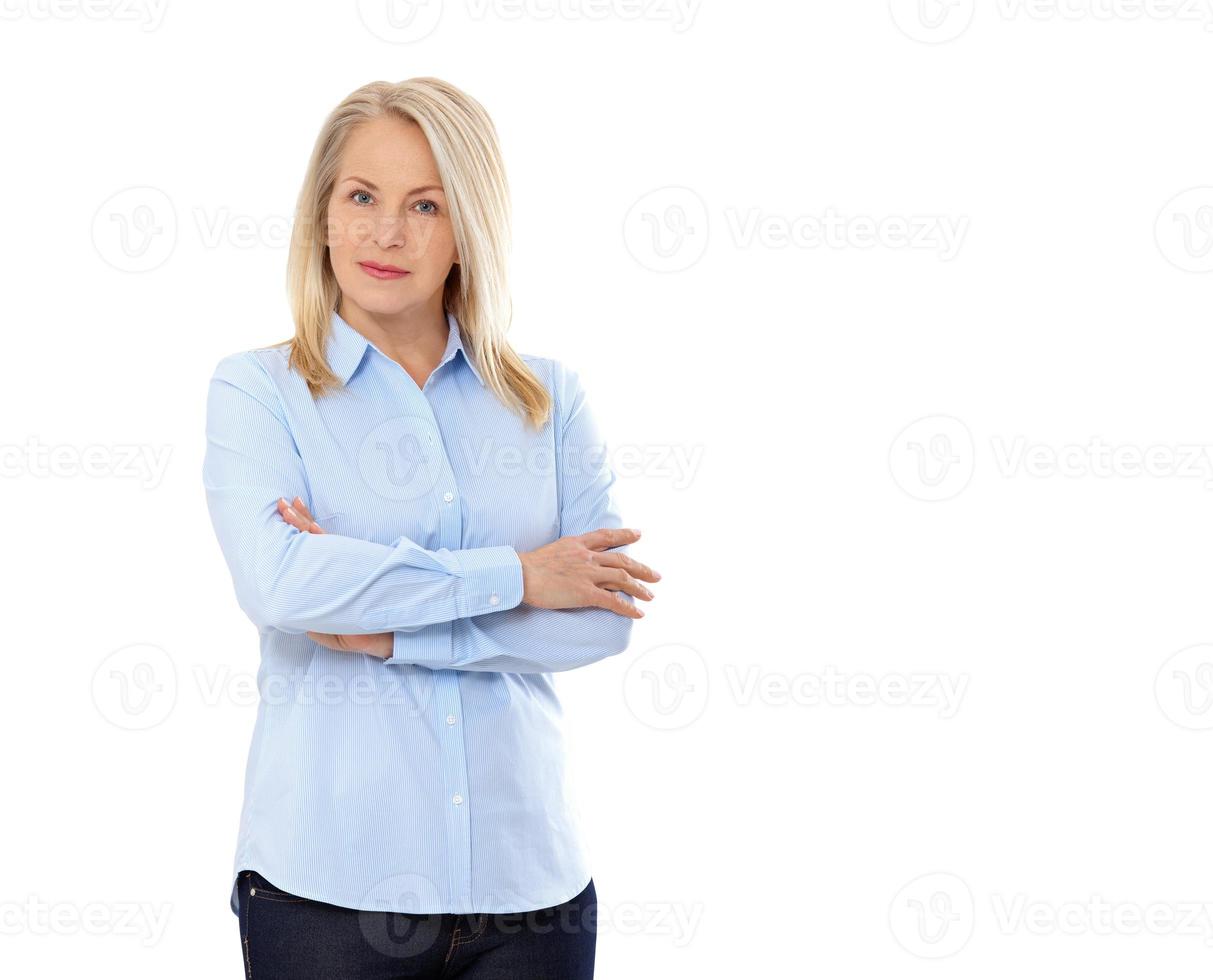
{"x": 375, "y": 644}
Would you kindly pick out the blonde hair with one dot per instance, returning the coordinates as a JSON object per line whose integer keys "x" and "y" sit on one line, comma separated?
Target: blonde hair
{"x": 464, "y": 143}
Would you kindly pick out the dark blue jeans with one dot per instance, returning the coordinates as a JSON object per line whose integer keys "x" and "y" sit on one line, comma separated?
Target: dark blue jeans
{"x": 286, "y": 937}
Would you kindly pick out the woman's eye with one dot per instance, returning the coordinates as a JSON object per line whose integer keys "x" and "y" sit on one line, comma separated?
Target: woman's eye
{"x": 364, "y": 199}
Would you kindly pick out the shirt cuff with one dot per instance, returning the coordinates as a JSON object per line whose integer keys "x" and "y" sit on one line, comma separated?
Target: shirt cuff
{"x": 491, "y": 579}
{"x": 430, "y": 646}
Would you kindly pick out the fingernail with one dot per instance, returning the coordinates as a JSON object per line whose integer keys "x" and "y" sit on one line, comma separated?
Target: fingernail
{"x": 648, "y": 594}
{"x": 290, "y": 511}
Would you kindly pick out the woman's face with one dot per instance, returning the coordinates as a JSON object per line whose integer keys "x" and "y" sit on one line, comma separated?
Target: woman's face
{"x": 388, "y": 209}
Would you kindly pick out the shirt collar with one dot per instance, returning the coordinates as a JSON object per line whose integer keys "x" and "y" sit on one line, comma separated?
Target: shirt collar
{"x": 347, "y": 347}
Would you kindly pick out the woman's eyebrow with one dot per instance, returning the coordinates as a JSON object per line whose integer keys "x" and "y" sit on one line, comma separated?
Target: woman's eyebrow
{"x": 371, "y": 186}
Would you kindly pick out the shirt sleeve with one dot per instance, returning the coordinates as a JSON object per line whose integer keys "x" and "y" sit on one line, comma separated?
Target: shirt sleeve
{"x": 527, "y": 639}
{"x": 294, "y": 581}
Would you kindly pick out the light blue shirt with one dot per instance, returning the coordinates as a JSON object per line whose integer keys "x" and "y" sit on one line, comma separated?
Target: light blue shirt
{"x": 433, "y": 781}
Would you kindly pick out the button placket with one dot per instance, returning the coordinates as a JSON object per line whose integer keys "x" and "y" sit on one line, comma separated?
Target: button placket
{"x": 448, "y": 705}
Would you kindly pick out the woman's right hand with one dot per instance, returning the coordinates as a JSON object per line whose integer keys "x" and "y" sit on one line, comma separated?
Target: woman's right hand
{"x": 577, "y": 571}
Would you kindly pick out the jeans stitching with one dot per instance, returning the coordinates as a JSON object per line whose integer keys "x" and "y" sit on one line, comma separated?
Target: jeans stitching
{"x": 272, "y": 897}
{"x": 248, "y": 963}
{"x": 260, "y": 891}
{"x": 451, "y": 948}
{"x": 484, "y": 922}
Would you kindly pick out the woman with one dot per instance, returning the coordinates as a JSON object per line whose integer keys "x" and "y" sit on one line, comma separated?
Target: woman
{"x": 420, "y": 523}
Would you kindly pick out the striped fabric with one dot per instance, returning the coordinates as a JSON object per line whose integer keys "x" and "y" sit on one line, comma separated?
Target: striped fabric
{"x": 432, "y": 781}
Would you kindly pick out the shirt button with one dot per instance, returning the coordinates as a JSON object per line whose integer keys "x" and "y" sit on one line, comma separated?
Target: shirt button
{"x": 456, "y": 799}
{"x": 448, "y": 496}
{"x": 494, "y": 599}
{"x": 450, "y": 719}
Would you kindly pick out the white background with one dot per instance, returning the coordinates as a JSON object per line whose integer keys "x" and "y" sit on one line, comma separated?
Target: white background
{"x": 920, "y": 298}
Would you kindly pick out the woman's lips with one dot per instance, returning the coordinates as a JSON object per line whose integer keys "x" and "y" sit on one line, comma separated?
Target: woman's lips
{"x": 383, "y": 272}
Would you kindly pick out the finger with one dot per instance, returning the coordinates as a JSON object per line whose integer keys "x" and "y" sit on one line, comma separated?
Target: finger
{"x": 310, "y": 522}
{"x": 296, "y": 519}
{"x": 353, "y": 643}
{"x": 290, "y": 515}
{"x": 610, "y": 537}
{"x": 629, "y": 564}
{"x": 621, "y": 581}
{"x": 616, "y": 603}
{"x": 301, "y": 507}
